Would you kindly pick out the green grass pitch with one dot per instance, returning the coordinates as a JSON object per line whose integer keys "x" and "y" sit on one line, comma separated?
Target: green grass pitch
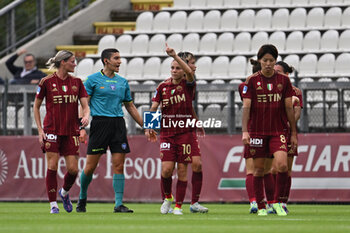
{"x": 35, "y": 217}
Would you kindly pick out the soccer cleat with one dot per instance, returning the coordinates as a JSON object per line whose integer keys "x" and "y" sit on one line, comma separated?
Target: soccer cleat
{"x": 284, "y": 206}
{"x": 177, "y": 211}
{"x": 67, "y": 204}
{"x": 197, "y": 208}
{"x": 270, "y": 209}
{"x": 122, "y": 209}
{"x": 279, "y": 209}
{"x": 170, "y": 210}
{"x": 54, "y": 210}
{"x": 81, "y": 206}
{"x": 262, "y": 212}
{"x": 253, "y": 207}
{"x": 165, "y": 207}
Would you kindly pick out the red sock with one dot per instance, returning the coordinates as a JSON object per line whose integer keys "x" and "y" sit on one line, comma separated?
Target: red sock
{"x": 180, "y": 192}
{"x": 162, "y": 189}
{"x": 249, "y": 186}
{"x": 274, "y": 177}
{"x": 269, "y": 185}
{"x": 259, "y": 191}
{"x": 51, "y": 184}
{"x": 287, "y": 190}
{"x": 281, "y": 182}
{"x": 69, "y": 180}
{"x": 197, "y": 178}
{"x": 167, "y": 182}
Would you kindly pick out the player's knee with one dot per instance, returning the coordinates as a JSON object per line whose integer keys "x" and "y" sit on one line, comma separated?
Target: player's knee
{"x": 166, "y": 172}
{"x": 282, "y": 167}
{"x": 73, "y": 171}
{"x": 197, "y": 167}
{"x": 258, "y": 171}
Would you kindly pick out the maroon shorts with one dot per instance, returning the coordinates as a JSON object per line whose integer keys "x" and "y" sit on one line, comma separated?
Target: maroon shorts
{"x": 179, "y": 148}
{"x": 262, "y": 146}
{"x": 64, "y": 145}
{"x": 248, "y": 155}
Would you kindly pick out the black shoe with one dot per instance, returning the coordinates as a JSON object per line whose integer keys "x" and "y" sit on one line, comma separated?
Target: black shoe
{"x": 81, "y": 205}
{"x": 122, "y": 209}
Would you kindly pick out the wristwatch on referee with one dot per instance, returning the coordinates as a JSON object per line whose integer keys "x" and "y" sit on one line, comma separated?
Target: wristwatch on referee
{"x": 80, "y": 124}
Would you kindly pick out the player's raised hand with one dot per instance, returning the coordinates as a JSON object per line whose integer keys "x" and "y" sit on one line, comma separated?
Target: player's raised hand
{"x": 170, "y": 51}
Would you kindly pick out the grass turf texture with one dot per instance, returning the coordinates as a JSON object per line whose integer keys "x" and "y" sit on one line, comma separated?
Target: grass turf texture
{"x": 35, "y": 217}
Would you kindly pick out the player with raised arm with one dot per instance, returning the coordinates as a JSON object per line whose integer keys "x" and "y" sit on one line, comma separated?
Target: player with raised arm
{"x": 177, "y": 144}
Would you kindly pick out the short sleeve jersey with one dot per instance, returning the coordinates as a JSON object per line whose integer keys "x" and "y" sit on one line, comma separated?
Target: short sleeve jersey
{"x": 107, "y": 94}
{"x": 298, "y": 93}
{"x": 61, "y": 98}
{"x": 176, "y": 106}
{"x": 267, "y": 113}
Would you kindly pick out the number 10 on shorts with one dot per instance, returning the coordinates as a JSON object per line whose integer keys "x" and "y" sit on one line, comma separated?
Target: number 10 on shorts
{"x": 151, "y": 120}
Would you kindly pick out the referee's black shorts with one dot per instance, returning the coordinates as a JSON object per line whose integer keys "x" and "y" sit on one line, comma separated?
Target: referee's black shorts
{"x": 108, "y": 132}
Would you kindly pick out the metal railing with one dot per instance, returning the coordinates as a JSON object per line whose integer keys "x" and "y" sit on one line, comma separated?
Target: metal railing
{"x": 23, "y": 20}
{"x": 326, "y": 107}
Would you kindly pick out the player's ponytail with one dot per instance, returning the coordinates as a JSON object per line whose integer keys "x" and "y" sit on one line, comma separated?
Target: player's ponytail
{"x": 55, "y": 62}
{"x": 286, "y": 68}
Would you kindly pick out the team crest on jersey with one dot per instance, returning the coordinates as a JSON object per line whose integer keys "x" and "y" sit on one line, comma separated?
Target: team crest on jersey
{"x": 252, "y": 151}
{"x": 280, "y": 87}
{"x": 74, "y": 88}
{"x": 179, "y": 88}
{"x": 47, "y": 145}
{"x": 64, "y": 88}
{"x": 269, "y": 86}
{"x": 161, "y": 155}
{"x": 112, "y": 87}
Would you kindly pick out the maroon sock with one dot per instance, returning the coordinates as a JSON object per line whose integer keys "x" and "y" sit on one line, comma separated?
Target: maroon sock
{"x": 167, "y": 182}
{"x": 51, "y": 184}
{"x": 269, "y": 185}
{"x": 180, "y": 192}
{"x": 249, "y": 186}
{"x": 259, "y": 191}
{"x": 197, "y": 178}
{"x": 287, "y": 190}
{"x": 162, "y": 190}
{"x": 281, "y": 182}
{"x": 69, "y": 180}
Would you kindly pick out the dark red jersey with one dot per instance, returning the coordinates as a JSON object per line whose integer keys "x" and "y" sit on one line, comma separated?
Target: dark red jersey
{"x": 176, "y": 106}
{"x": 267, "y": 113}
{"x": 61, "y": 98}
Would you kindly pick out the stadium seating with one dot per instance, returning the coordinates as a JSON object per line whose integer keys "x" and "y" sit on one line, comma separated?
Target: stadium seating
{"x": 157, "y": 45}
{"x": 151, "y": 69}
{"x": 144, "y": 22}
{"x": 123, "y": 44}
{"x": 178, "y": 21}
{"x": 229, "y": 20}
{"x": 311, "y": 42}
{"x": 107, "y": 41}
{"x": 175, "y": 41}
{"x": 333, "y": 18}
{"x": 212, "y": 20}
{"x": 263, "y": 19}
{"x": 84, "y": 68}
{"x": 161, "y": 21}
{"x": 208, "y": 43}
{"x": 225, "y": 43}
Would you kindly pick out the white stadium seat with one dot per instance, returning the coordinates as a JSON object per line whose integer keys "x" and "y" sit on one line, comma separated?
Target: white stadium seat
{"x": 175, "y": 41}
{"x": 165, "y": 68}
{"x": 191, "y": 43}
{"x": 98, "y": 66}
{"x": 140, "y": 44}
{"x": 151, "y": 68}
{"x": 134, "y": 69}
{"x": 317, "y": 2}
{"x": 280, "y": 19}
{"x": 198, "y": 3}
{"x": 225, "y": 43}
{"x": 84, "y": 68}
{"x": 208, "y": 43}
{"x": 203, "y": 70}
{"x": 107, "y": 41}
{"x": 220, "y": 67}
{"x": 231, "y": 3}
{"x": 195, "y": 21}
{"x": 229, "y": 20}
{"x": 242, "y": 43}
{"x": 333, "y": 18}
{"x": 292, "y": 60}
{"x": 263, "y": 19}
{"x": 246, "y": 19}
{"x": 178, "y": 21}
{"x": 265, "y": 2}
{"x": 342, "y": 67}
{"x": 344, "y": 40}
{"x": 282, "y": 3}
{"x": 156, "y": 45}
{"x": 259, "y": 39}
{"x": 297, "y": 18}
{"x": 122, "y": 68}
{"x": 182, "y": 3}
{"x": 311, "y": 41}
{"x": 345, "y": 19}
{"x": 161, "y": 22}
{"x": 237, "y": 69}
{"x": 215, "y": 3}
{"x": 212, "y": 20}
{"x": 300, "y": 2}
{"x": 294, "y": 41}
{"x": 315, "y": 18}
{"x": 247, "y": 3}
{"x": 144, "y": 22}
{"x": 123, "y": 44}
{"x": 329, "y": 40}
{"x": 278, "y": 39}
{"x": 307, "y": 65}
{"x": 325, "y": 64}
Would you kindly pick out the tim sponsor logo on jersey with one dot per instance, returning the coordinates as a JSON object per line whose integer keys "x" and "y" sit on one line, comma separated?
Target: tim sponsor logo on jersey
{"x": 256, "y": 142}
{"x": 273, "y": 97}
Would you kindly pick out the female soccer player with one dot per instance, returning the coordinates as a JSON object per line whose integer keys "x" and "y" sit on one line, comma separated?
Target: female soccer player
{"x": 284, "y": 68}
{"x": 267, "y": 106}
{"x": 60, "y": 134}
{"x": 107, "y": 92}
{"x": 178, "y": 144}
